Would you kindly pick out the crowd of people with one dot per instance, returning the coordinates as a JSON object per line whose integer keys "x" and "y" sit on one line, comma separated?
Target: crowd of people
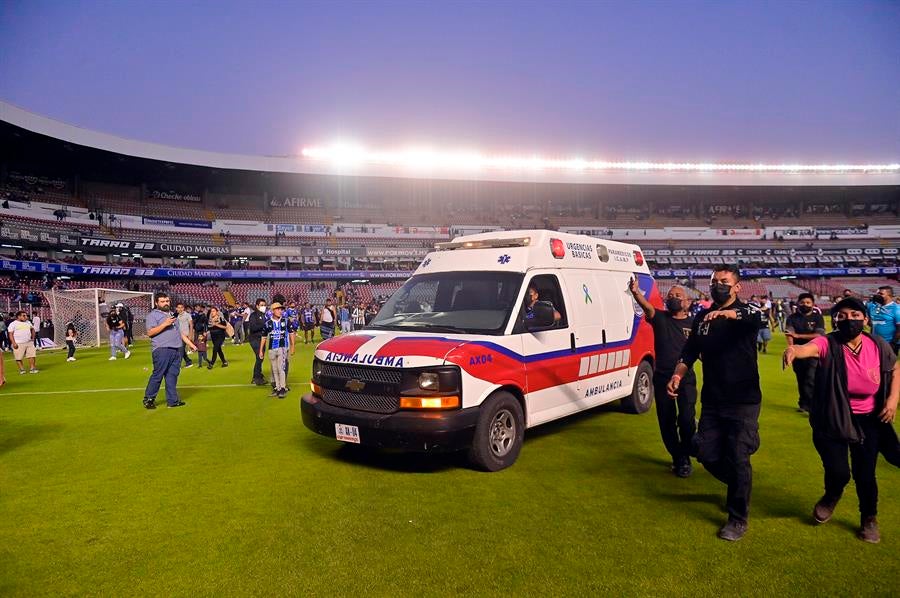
{"x": 848, "y": 383}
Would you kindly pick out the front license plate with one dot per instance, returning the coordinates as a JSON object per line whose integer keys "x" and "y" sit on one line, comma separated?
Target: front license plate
{"x": 346, "y": 433}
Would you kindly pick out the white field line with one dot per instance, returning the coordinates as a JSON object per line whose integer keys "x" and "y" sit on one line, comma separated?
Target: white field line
{"x": 93, "y": 390}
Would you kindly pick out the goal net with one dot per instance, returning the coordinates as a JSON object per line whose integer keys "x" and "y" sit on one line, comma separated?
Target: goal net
{"x": 86, "y": 310}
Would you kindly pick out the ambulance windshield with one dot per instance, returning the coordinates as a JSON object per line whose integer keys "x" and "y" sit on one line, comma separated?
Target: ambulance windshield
{"x": 464, "y": 302}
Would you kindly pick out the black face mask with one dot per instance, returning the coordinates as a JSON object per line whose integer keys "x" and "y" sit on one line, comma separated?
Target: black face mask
{"x": 673, "y": 304}
{"x": 804, "y": 309}
{"x": 878, "y": 299}
{"x": 849, "y": 329}
{"x": 719, "y": 292}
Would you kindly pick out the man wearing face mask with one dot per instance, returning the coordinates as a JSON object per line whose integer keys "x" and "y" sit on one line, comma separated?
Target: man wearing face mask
{"x": 724, "y": 337}
{"x": 853, "y": 409}
{"x": 671, "y": 329}
{"x": 256, "y": 325}
{"x": 803, "y": 326}
{"x": 884, "y": 316}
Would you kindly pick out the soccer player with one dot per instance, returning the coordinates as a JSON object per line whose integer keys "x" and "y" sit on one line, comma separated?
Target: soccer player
{"x": 724, "y": 338}
{"x": 308, "y": 323}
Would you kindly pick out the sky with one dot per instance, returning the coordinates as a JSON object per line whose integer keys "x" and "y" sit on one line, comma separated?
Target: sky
{"x": 812, "y": 81}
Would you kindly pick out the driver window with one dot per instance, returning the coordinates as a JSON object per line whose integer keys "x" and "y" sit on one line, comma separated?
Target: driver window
{"x": 547, "y": 287}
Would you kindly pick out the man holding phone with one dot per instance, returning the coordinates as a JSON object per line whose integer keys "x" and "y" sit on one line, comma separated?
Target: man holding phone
{"x": 167, "y": 341}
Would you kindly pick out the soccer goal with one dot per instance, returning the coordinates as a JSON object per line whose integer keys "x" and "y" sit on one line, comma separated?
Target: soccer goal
{"x": 87, "y": 309}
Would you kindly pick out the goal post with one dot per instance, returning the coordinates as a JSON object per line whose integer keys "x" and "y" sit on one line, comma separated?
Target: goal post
{"x": 87, "y": 309}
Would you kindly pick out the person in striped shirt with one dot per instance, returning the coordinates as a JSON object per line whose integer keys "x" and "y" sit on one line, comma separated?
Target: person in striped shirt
{"x": 278, "y": 336}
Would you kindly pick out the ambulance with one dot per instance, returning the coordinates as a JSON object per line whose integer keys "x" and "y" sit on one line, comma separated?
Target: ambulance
{"x": 494, "y": 333}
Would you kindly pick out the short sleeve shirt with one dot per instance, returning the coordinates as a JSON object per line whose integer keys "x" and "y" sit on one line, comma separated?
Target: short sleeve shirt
{"x": 863, "y": 372}
{"x": 21, "y": 331}
{"x": 884, "y": 319}
{"x": 170, "y": 338}
{"x": 805, "y": 324}
{"x": 278, "y": 332}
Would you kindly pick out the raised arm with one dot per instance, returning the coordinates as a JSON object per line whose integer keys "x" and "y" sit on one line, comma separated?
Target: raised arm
{"x": 635, "y": 289}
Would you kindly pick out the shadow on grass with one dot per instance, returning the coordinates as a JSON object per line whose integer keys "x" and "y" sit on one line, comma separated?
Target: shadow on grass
{"x": 559, "y": 425}
{"x": 13, "y": 436}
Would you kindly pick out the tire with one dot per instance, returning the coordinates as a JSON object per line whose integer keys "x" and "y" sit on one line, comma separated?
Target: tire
{"x": 499, "y": 433}
{"x": 641, "y": 397}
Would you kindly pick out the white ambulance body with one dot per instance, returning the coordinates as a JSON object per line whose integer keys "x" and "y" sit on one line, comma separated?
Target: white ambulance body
{"x": 458, "y": 358}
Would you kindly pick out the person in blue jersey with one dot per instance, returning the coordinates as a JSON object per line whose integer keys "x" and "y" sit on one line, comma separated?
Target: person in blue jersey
{"x": 884, "y": 316}
{"x": 292, "y": 314}
{"x": 308, "y": 322}
{"x": 531, "y": 297}
{"x": 278, "y": 337}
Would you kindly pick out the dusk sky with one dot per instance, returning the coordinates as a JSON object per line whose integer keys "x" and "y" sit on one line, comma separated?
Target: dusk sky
{"x": 749, "y": 81}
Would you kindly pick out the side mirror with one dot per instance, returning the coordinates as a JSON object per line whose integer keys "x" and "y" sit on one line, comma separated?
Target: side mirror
{"x": 543, "y": 317}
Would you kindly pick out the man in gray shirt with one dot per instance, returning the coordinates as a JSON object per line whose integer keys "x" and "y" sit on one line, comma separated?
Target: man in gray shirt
{"x": 186, "y": 325}
{"x": 167, "y": 340}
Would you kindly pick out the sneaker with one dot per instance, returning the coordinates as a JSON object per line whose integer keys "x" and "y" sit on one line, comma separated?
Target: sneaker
{"x": 33, "y": 371}
{"x": 274, "y": 393}
{"x": 733, "y": 531}
{"x": 21, "y": 371}
{"x": 683, "y": 469}
{"x": 113, "y": 358}
{"x": 190, "y": 365}
{"x": 149, "y": 403}
{"x": 282, "y": 393}
{"x": 127, "y": 354}
{"x": 209, "y": 366}
{"x": 824, "y": 509}
{"x": 70, "y": 359}
{"x": 178, "y": 404}
{"x": 224, "y": 364}
{"x": 868, "y": 530}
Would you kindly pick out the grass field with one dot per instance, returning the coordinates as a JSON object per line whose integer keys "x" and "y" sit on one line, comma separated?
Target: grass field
{"x": 232, "y": 495}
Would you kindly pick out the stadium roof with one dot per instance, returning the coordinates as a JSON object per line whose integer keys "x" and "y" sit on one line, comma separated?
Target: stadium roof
{"x": 425, "y": 165}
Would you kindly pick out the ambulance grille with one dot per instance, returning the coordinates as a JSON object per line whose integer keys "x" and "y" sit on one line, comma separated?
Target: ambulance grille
{"x": 366, "y": 374}
{"x": 360, "y": 401}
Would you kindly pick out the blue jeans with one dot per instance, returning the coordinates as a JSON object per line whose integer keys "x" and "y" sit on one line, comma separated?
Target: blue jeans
{"x": 116, "y": 342}
{"x": 166, "y": 364}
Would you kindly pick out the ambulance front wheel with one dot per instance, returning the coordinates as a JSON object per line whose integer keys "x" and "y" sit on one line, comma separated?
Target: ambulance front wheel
{"x": 641, "y": 397}
{"x": 499, "y": 433}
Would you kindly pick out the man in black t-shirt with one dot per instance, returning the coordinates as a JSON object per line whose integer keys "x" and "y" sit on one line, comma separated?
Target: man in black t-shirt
{"x": 671, "y": 329}
{"x": 724, "y": 336}
{"x": 803, "y": 326}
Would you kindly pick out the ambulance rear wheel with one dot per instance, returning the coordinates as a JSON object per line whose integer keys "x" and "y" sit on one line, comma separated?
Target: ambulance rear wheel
{"x": 641, "y": 397}
{"x": 499, "y": 433}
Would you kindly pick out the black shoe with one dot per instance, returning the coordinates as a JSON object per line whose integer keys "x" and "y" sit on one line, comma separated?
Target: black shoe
{"x": 224, "y": 364}
{"x": 683, "y": 468}
{"x": 274, "y": 392}
{"x": 209, "y": 367}
{"x": 281, "y": 393}
{"x": 178, "y": 404}
{"x": 868, "y": 530}
{"x": 733, "y": 531}
{"x": 824, "y": 509}
{"x": 149, "y": 403}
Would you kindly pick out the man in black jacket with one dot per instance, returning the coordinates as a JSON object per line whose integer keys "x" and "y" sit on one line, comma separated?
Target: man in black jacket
{"x": 256, "y": 326}
{"x": 724, "y": 336}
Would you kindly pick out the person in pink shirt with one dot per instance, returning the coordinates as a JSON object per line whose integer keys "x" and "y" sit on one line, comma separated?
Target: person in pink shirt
{"x": 853, "y": 407}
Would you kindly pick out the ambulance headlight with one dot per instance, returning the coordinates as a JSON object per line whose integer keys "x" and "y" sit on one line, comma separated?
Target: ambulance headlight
{"x": 429, "y": 381}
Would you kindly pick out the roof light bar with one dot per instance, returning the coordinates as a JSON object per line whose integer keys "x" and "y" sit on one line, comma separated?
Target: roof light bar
{"x": 354, "y": 155}
{"x": 484, "y": 244}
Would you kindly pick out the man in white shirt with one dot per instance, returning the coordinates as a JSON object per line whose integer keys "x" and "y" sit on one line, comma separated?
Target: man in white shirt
{"x": 21, "y": 335}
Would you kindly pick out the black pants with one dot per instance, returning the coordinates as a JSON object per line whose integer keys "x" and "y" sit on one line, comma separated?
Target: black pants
{"x": 218, "y": 340}
{"x": 129, "y": 334}
{"x": 184, "y": 355}
{"x": 676, "y": 416}
{"x": 805, "y": 370}
{"x": 727, "y": 435}
{"x": 863, "y": 457}
{"x": 257, "y": 367}
{"x": 71, "y": 346}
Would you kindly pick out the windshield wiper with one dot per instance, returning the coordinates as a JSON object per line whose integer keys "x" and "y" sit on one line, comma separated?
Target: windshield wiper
{"x": 435, "y": 328}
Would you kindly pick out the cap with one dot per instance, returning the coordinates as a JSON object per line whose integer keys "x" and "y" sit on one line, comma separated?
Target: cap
{"x": 850, "y": 302}
{"x": 275, "y": 305}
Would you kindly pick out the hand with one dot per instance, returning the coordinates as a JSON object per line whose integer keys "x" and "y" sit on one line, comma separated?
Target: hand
{"x": 889, "y": 412}
{"x": 788, "y": 358}
{"x": 170, "y": 320}
{"x": 788, "y": 333}
{"x": 260, "y": 354}
{"x": 15, "y": 346}
{"x": 292, "y": 350}
{"x": 728, "y": 314}
{"x": 672, "y": 386}
{"x": 633, "y": 286}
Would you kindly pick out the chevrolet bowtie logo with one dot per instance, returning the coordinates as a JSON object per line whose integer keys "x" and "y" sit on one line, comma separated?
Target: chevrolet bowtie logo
{"x": 355, "y": 385}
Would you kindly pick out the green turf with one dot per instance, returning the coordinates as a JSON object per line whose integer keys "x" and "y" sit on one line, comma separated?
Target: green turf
{"x": 232, "y": 495}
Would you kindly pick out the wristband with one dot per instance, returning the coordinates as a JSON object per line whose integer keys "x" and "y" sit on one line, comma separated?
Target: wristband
{"x": 676, "y": 376}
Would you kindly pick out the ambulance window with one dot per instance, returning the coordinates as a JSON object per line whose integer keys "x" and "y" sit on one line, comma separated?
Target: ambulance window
{"x": 547, "y": 287}
{"x": 602, "y": 253}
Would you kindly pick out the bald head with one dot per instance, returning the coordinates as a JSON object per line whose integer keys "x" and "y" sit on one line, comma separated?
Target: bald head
{"x": 677, "y": 299}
